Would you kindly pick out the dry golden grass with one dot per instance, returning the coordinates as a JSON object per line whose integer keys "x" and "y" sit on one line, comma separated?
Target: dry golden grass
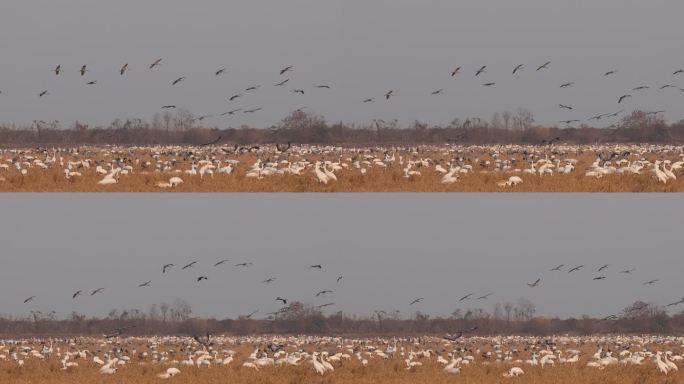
{"x": 377, "y": 371}
{"x": 349, "y": 180}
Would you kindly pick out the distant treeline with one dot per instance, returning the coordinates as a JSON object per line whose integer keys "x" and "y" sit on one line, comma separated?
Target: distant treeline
{"x": 506, "y": 319}
{"x": 305, "y": 128}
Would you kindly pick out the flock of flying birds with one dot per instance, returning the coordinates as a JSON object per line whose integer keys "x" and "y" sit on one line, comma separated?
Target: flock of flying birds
{"x": 601, "y": 271}
{"x": 389, "y": 94}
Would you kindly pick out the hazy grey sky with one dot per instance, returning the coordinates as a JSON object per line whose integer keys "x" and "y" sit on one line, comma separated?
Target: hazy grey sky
{"x": 361, "y": 48}
{"x": 390, "y": 248}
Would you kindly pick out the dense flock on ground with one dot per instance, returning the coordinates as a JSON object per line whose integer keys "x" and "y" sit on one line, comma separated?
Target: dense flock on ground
{"x": 284, "y": 358}
{"x": 552, "y": 166}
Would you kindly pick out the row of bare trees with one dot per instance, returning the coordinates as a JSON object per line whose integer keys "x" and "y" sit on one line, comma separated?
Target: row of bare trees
{"x": 297, "y": 318}
{"x": 181, "y": 127}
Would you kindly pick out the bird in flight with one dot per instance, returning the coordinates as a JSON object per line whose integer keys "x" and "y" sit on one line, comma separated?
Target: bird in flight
{"x": 517, "y": 68}
{"x": 372, "y": 99}
{"x": 156, "y": 63}
{"x": 178, "y": 80}
{"x": 628, "y": 271}
{"x": 603, "y": 267}
{"x": 481, "y": 70}
{"x": 545, "y": 66}
{"x": 389, "y": 94}
{"x": 231, "y": 112}
{"x": 564, "y": 106}
{"x": 76, "y": 294}
{"x": 123, "y": 69}
{"x": 253, "y": 110}
{"x": 455, "y": 71}
{"x": 557, "y": 268}
{"x": 324, "y": 292}
{"x": 92, "y": 82}
{"x": 251, "y": 314}
{"x": 339, "y": 278}
{"x": 323, "y": 86}
{"x": 566, "y": 85}
{"x": 418, "y": 300}
{"x": 669, "y": 305}
{"x": 282, "y": 83}
{"x": 29, "y": 299}
{"x": 189, "y": 265}
{"x": 599, "y": 278}
{"x": 286, "y": 69}
{"x": 83, "y": 70}
{"x": 466, "y": 297}
{"x": 536, "y": 283}
{"x": 281, "y": 299}
{"x": 577, "y": 268}
{"x": 651, "y": 282}
{"x": 243, "y": 264}
{"x": 484, "y": 297}
{"x": 611, "y": 72}
{"x": 145, "y": 284}
{"x": 438, "y": 92}
{"x": 667, "y": 86}
{"x": 220, "y": 72}
{"x": 168, "y": 107}
{"x": 568, "y": 122}
{"x": 202, "y": 278}
{"x": 488, "y": 84}
{"x": 325, "y": 305}
{"x": 99, "y": 290}
{"x": 298, "y": 91}
{"x": 165, "y": 267}
{"x": 43, "y": 94}
{"x": 316, "y": 266}
{"x": 220, "y": 262}
{"x": 639, "y": 88}
{"x": 58, "y": 70}
{"x": 235, "y": 97}
{"x": 623, "y": 97}
{"x": 269, "y": 280}
{"x": 252, "y": 88}
{"x": 677, "y": 72}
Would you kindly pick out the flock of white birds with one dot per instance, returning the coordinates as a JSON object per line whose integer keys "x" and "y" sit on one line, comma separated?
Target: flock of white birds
{"x": 325, "y": 164}
{"x": 511, "y": 355}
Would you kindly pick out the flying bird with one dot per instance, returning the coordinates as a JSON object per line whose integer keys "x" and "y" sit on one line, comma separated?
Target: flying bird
{"x": 298, "y": 91}
{"x": 418, "y": 300}
{"x": 234, "y": 97}
{"x": 323, "y": 86}
{"x": 253, "y": 110}
{"x": 438, "y": 92}
{"x": 466, "y": 297}
{"x": 251, "y": 314}
{"x": 603, "y": 267}
{"x": 316, "y": 266}
{"x": 83, "y": 70}
{"x": 286, "y": 69}
{"x": 622, "y": 98}
{"x": 676, "y": 303}
{"x": 189, "y": 265}
{"x": 568, "y": 122}
{"x": 243, "y": 264}
{"x": 92, "y": 82}
{"x": 536, "y": 283}
{"x": 545, "y": 66}
{"x": 178, "y": 80}
{"x": 58, "y": 69}
{"x": 165, "y": 267}
{"x": 564, "y": 106}
{"x": 372, "y": 99}
{"x": 269, "y": 280}
{"x": 639, "y": 88}
{"x": 455, "y": 71}
{"x": 231, "y": 112}
{"x": 76, "y": 294}
{"x": 252, "y": 88}
{"x": 667, "y": 86}
{"x": 42, "y": 93}
{"x": 389, "y": 94}
{"x": 628, "y": 271}
{"x": 566, "y": 85}
{"x": 145, "y": 284}
{"x": 558, "y": 268}
{"x": 156, "y": 63}
{"x": 484, "y": 297}
{"x": 488, "y": 84}
{"x": 651, "y": 282}
{"x": 517, "y": 68}
{"x": 220, "y": 262}
{"x": 282, "y": 83}
{"x": 339, "y": 278}
{"x": 168, "y": 107}
{"x": 99, "y": 290}
{"x": 324, "y": 292}
{"x": 202, "y": 278}
{"x": 611, "y": 72}
{"x": 677, "y": 72}
{"x": 577, "y": 268}
{"x": 481, "y": 70}
{"x": 220, "y": 72}
{"x": 123, "y": 69}
{"x": 281, "y": 299}
{"x": 325, "y": 305}
{"x": 599, "y": 278}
